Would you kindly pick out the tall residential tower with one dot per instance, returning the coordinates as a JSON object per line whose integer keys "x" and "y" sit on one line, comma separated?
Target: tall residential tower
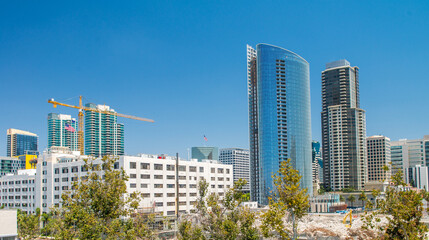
{"x": 20, "y": 142}
{"x": 343, "y": 128}
{"x": 239, "y": 159}
{"x": 103, "y": 135}
{"x": 279, "y": 116}
{"x": 62, "y": 131}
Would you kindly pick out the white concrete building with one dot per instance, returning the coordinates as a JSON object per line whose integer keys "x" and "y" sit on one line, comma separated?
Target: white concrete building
{"x": 152, "y": 175}
{"x": 18, "y": 191}
{"x": 240, "y": 160}
{"x": 409, "y": 153}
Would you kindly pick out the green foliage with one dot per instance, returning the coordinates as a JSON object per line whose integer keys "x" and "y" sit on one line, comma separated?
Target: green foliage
{"x": 288, "y": 200}
{"x": 351, "y": 199}
{"x": 98, "y": 207}
{"x": 28, "y": 224}
{"x": 342, "y": 198}
{"x": 219, "y": 218}
{"x": 348, "y": 190}
{"x": 362, "y": 197}
{"x": 403, "y": 210}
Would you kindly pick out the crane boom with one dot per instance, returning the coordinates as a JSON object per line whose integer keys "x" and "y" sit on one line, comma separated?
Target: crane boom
{"x": 81, "y": 109}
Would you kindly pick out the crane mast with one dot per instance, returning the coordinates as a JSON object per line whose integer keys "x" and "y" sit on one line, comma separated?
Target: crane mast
{"x": 81, "y": 109}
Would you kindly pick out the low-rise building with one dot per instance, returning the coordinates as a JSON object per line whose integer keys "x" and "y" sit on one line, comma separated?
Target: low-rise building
{"x": 18, "y": 190}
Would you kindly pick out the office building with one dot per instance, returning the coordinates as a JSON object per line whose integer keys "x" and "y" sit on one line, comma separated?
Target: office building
{"x": 279, "y": 117}
{"x": 409, "y": 153}
{"x": 153, "y": 176}
{"x": 417, "y": 177}
{"x": 62, "y": 131}
{"x": 316, "y": 162}
{"x": 20, "y": 142}
{"x": 378, "y": 158}
{"x": 240, "y": 160}
{"x": 10, "y": 165}
{"x": 103, "y": 135}
{"x": 343, "y": 128}
{"x": 201, "y": 153}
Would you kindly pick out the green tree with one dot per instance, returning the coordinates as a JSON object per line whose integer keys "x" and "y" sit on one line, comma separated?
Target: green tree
{"x": 403, "y": 209}
{"x": 219, "y": 218}
{"x": 28, "y": 224}
{"x": 342, "y": 198}
{"x": 288, "y": 200}
{"x": 362, "y": 197}
{"x": 351, "y": 199}
{"x": 98, "y": 206}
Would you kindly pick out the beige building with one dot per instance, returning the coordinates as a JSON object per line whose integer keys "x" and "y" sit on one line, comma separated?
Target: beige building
{"x": 378, "y": 156}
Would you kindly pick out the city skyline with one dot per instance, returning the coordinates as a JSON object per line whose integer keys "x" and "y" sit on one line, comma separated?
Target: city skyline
{"x": 64, "y": 52}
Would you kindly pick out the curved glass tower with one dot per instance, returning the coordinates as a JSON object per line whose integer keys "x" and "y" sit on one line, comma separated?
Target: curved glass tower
{"x": 279, "y": 116}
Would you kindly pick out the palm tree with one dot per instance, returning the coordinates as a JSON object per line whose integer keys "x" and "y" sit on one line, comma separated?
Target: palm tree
{"x": 363, "y": 198}
{"x": 351, "y": 199}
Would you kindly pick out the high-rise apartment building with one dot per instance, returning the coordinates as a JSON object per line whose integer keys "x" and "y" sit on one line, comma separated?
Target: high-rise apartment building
{"x": 20, "y": 142}
{"x": 343, "y": 128}
{"x": 103, "y": 135}
{"x": 379, "y": 157}
{"x": 239, "y": 159}
{"x": 279, "y": 116}
{"x": 208, "y": 153}
{"x": 62, "y": 131}
{"x": 417, "y": 177}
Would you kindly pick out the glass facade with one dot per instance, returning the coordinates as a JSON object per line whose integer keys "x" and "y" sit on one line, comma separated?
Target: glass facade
{"x": 58, "y": 135}
{"x": 283, "y": 128}
{"x": 210, "y": 153}
{"x": 20, "y": 142}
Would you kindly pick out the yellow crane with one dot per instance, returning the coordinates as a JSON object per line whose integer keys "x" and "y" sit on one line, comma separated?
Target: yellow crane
{"x": 80, "y": 117}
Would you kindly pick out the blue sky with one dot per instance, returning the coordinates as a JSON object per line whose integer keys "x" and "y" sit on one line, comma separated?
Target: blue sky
{"x": 183, "y": 63}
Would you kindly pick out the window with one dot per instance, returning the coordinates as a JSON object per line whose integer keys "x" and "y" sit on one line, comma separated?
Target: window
{"x": 171, "y": 212}
{"x": 192, "y": 185}
{"x": 182, "y": 177}
{"x": 220, "y": 186}
{"x": 10, "y": 182}
{"x": 220, "y": 178}
{"x": 157, "y": 166}
{"x": 170, "y": 167}
{"x": 65, "y": 179}
{"x": 65, "y": 188}
{"x": 145, "y": 176}
{"x": 170, "y": 177}
{"x": 145, "y": 195}
{"x": 220, "y": 170}
{"x": 44, "y": 163}
{"x": 192, "y": 169}
{"x": 182, "y": 185}
{"x": 74, "y": 169}
{"x": 57, "y": 197}
{"x": 57, "y": 188}
{"x": 158, "y": 186}
{"x": 57, "y": 170}
{"x": 212, "y": 170}
{"x": 194, "y": 194}
{"x": 182, "y": 203}
{"x": 182, "y": 194}
{"x": 44, "y": 180}
{"x": 171, "y": 204}
{"x": 65, "y": 170}
{"x": 133, "y": 175}
{"x": 158, "y": 176}
{"x": 171, "y": 194}
{"x": 83, "y": 169}
{"x": 132, "y": 185}
{"x": 17, "y": 189}
{"x": 201, "y": 169}
{"x": 213, "y": 186}
{"x": 158, "y": 194}
{"x": 227, "y": 179}
{"x": 159, "y": 204}
{"x": 227, "y": 170}
{"x": 171, "y": 185}
{"x": 143, "y": 185}
{"x": 182, "y": 168}
{"x": 133, "y": 165}
{"x": 145, "y": 166}
{"x": 44, "y": 172}
{"x": 74, "y": 179}
{"x": 213, "y": 178}
{"x": 116, "y": 165}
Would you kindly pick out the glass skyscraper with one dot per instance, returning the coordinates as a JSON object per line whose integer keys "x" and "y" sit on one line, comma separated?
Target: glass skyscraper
{"x": 279, "y": 117}
{"x": 103, "y": 135}
{"x": 62, "y": 131}
{"x": 20, "y": 142}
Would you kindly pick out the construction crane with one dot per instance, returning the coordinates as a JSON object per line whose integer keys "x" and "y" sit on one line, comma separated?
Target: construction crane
{"x": 81, "y": 109}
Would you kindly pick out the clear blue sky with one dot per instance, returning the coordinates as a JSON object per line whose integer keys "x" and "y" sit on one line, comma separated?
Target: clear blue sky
{"x": 183, "y": 63}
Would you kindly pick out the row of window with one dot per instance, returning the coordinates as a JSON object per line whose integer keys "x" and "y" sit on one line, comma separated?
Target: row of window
{"x": 144, "y": 185}
{"x": 18, "y": 189}
{"x": 170, "y": 167}
{"x": 18, "y": 197}
{"x": 16, "y": 182}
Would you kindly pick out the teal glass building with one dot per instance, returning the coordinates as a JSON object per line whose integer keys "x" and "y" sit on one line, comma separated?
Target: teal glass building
{"x": 58, "y": 133}
{"x": 279, "y": 117}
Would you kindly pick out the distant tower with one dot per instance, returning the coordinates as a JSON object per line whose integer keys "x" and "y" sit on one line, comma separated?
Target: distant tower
{"x": 239, "y": 159}
{"x": 200, "y": 153}
{"x": 20, "y": 142}
{"x": 103, "y": 135}
{"x": 343, "y": 128}
{"x": 279, "y": 117}
{"x": 62, "y": 131}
